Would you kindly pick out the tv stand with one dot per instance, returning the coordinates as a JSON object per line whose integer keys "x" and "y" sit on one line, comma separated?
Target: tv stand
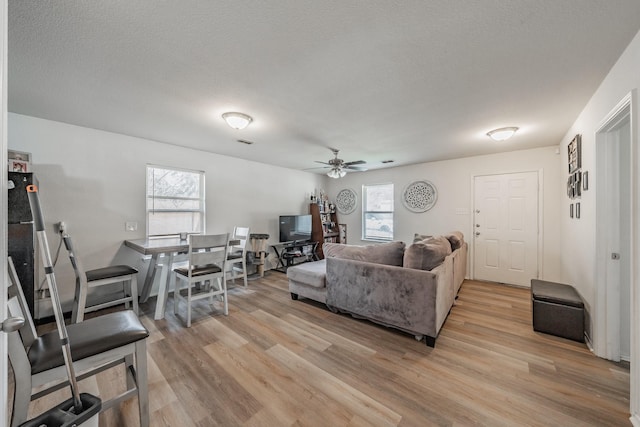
{"x": 296, "y": 252}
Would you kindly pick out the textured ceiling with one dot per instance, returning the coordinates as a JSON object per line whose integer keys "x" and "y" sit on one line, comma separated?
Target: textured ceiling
{"x": 410, "y": 80}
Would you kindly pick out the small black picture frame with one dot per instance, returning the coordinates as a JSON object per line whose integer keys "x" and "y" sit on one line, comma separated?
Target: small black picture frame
{"x": 578, "y": 210}
{"x": 585, "y": 181}
{"x": 571, "y": 210}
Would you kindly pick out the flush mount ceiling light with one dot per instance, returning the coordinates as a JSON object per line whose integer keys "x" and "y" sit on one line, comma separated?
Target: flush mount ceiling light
{"x": 502, "y": 134}
{"x": 336, "y": 173}
{"x": 237, "y": 121}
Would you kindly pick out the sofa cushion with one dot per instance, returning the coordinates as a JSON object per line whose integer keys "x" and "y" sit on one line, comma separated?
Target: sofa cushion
{"x": 309, "y": 273}
{"x": 419, "y": 237}
{"x": 456, "y": 239}
{"x": 427, "y": 254}
{"x": 384, "y": 253}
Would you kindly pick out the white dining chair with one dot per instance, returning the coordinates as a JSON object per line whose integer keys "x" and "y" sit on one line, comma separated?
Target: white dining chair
{"x": 90, "y": 279}
{"x": 207, "y": 268}
{"x": 237, "y": 257}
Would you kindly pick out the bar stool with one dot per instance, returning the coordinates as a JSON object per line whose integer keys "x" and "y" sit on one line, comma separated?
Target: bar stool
{"x": 99, "y": 277}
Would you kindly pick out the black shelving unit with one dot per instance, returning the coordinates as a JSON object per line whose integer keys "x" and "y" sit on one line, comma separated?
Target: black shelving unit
{"x": 21, "y": 234}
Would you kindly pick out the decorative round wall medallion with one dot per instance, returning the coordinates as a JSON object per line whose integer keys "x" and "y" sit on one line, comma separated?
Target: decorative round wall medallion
{"x": 419, "y": 196}
{"x": 346, "y": 201}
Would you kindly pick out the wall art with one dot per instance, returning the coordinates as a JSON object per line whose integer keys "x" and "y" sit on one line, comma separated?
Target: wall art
{"x": 419, "y": 196}
{"x": 346, "y": 201}
{"x": 574, "y": 152}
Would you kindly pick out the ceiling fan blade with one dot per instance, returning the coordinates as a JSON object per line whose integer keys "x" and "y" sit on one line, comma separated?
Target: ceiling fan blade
{"x": 355, "y": 168}
{"x": 317, "y": 167}
{"x": 324, "y": 163}
{"x": 357, "y": 162}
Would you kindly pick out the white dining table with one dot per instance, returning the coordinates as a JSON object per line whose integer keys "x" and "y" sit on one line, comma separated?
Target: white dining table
{"x": 168, "y": 248}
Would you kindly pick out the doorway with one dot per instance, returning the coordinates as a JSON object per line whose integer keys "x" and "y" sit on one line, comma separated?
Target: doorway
{"x": 505, "y": 228}
{"x": 614, "y": 235}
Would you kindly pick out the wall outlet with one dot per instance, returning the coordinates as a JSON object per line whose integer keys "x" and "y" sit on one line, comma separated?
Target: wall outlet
{"x": 61, "y": 227}
{"x": 131, "y": 226}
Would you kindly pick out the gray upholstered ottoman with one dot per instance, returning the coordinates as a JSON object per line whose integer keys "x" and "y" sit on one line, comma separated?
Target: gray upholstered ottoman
{"x": 308, "y": 280}
{"x": 557, "y": 310}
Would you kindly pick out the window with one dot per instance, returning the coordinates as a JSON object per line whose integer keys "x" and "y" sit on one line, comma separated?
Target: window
{"x": 377, "y": 214}
{"x": 175, "y": 201}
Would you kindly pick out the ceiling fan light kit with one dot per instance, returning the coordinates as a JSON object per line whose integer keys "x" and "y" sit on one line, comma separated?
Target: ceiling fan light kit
{"x": 502, "y": 134}
{"x": 339, "y": 167}
{"x": 336, "y": 173}
{"x": 236, "y": 120}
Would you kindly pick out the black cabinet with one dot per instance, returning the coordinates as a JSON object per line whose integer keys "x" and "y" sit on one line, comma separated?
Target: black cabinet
{"x": 20, "y": 246}
{"x": 21, "y": 234}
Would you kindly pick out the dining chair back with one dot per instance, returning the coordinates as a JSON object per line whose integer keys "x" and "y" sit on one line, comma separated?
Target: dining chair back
{"x": 237, "y": 257}
{"x": 97, "y": 344}
{"x": 206, "y": 267}
{"x": 89, "y": 279}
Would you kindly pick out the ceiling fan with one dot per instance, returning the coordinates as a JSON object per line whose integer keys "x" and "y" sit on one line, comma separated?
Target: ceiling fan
{"x": 339, "y": 167}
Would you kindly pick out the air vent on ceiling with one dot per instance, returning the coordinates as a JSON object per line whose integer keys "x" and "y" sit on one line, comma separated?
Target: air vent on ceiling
{"x": 244, "y": 141}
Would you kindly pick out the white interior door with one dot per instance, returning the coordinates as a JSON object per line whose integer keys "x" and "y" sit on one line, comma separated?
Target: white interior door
{"x": 614, "y": 264}
{"x": 506, "y": 228}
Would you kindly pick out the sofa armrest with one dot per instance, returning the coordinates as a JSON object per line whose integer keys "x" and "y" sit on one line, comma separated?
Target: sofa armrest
{"x": 459, "y": 266}
{"x": 446, "y": 290}
{"x": 408, "y": 299}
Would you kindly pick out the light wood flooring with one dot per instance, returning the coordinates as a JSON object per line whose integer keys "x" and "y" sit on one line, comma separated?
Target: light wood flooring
{"x": 278, "y": 362}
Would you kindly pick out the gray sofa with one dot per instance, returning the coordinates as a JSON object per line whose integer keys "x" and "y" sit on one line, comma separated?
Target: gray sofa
{"x": 411, "y": 289}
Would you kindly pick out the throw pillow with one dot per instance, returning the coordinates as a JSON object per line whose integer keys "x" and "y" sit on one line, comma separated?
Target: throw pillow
{"x": 419, "y": 237}
{"x": 384, "y": 253}
{"x": 456, "y": 239}
{"x": 427, "y": 254}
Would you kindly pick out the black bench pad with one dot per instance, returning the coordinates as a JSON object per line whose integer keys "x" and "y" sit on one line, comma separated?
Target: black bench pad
{"x": 555, "y": 293}
{"x": 109, "y": 272}
{"x": 88, "y": 338}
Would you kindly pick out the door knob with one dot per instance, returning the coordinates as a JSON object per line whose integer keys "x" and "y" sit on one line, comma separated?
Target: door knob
{"x": 477, "y": 225}
{"x": 12, "y": 324}
{"x": 477, "y": 233}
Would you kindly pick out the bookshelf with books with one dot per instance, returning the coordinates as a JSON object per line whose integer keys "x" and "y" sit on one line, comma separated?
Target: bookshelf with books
{"x": 324, "y": 225}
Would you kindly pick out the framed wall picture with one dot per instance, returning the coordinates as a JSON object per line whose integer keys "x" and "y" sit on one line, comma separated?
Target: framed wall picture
{"x": 574, "y": 152}
{"x": 571, "y": 210}
{"x": 585, "y": 181}
{"x": 18, "y": 166}
{"x": 578, "y": 210}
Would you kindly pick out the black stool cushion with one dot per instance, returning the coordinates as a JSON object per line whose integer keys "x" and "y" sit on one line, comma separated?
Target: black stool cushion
{"x": 557, "y": 293}
{"x": 198, "y": 271}
{"x": 109, "y": 272}
{"x": 88, "y": 338}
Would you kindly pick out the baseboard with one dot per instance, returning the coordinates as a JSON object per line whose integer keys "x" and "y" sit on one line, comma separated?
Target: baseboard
{"x": 635, "y": 420}
{"x": 587, "y": 341}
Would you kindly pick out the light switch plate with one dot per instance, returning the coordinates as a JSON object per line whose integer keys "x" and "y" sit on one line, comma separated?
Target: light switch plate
{"x": 131, "y": 226}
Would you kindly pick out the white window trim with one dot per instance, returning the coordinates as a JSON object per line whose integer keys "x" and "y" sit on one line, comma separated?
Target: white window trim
{"x": 201, "y": 196}
{"x": 364, "y": 212}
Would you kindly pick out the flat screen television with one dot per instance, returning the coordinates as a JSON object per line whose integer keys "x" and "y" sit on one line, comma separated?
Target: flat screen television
{"x": 295, "y": 227}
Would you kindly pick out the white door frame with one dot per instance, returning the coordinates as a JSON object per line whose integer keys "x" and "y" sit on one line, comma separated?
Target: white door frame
{"x": 472, "y": 225}
{"x": 3, "y": 208}
{"x": 605, "y": 338}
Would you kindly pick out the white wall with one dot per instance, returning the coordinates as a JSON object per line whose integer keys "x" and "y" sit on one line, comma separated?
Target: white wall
{"x": 578, "y": 237}
{"x": 453, "y": 180}
{"x": 95, "y": 181}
